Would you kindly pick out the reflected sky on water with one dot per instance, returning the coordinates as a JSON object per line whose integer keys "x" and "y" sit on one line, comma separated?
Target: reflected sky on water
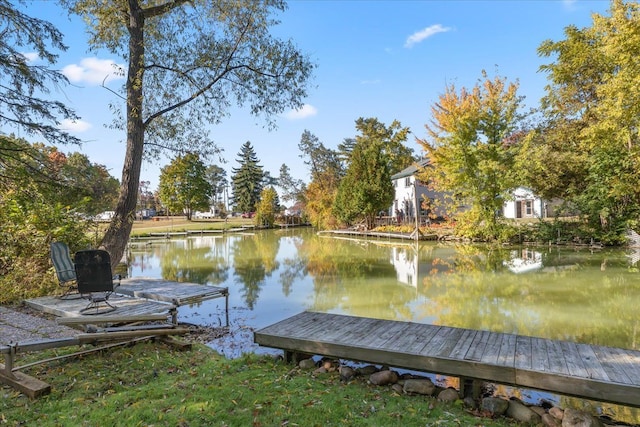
{"x": 576, "y": 294}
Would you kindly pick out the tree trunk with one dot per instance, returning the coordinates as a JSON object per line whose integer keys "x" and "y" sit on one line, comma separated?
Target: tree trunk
{"x": 117, "y": 235}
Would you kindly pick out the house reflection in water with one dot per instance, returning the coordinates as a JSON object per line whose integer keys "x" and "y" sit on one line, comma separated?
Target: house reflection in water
{"x": 523, "y": 261}
{"x": 405, "y": 262}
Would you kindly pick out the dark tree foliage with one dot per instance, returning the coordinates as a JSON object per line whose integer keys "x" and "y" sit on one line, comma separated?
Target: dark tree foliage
{"x": 247, "y": 179}
{"x": 24, "y": 82}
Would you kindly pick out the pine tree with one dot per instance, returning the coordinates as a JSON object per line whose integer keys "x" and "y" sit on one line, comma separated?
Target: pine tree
{"x": 246, "y": 180}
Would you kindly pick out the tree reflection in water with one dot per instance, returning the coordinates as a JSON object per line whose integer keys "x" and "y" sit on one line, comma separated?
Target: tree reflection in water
{"x": 557, "y": 293}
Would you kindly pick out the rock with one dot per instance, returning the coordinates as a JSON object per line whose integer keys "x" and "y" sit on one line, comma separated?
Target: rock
{"x": 538, "y": 410}
{"x": 551, "y": 421}
{"x": 522, "y": 413}
{"x": 307, "y": 364}
{"x": 367, "y": 370}
{"x": 422, "y": 386}
{"x": 346, "y": 373}
{"x": 448, "y": 395}
{"x": 557, "y": 413}
{"x": 574, "y": 418}
{"x": 494, "y": 405}
{"x": 470, "y": 403}
{"x": 320, "y": 370}
{"x": 329, "y": 364}
{"x": 397, "y": 388}
{"x": 383, "y": 378}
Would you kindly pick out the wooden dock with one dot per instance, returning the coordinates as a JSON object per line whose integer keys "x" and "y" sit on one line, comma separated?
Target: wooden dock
{"x": 587, "y": 371}
{"x": 378, "y": 234}
{"x": 126, "y": 306}
{"x": 176, "y": 293}
{"x": 138, "y": 297}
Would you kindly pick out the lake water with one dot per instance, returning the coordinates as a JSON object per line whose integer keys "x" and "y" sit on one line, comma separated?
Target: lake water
{"x": 575, "y": 294}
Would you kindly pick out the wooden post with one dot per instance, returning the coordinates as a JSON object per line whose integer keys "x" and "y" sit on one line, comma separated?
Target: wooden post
{"x": 470, "y": 387}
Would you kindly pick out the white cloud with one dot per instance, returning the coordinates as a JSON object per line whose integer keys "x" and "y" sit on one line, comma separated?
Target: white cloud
{"x": 77, "y": 126}
{"x": 304, "y": 112}
{"x": 421, "y": 35}
{"x": 31, "y": 56}
{"x": 94, "y": 71}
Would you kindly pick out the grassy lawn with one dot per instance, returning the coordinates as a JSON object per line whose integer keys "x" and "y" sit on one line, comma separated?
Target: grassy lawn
{"x": 154, "y": 384}
{"x": 179, "y": 223}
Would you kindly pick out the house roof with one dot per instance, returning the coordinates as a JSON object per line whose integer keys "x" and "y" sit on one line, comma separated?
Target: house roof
{"x": 411, "y": 170}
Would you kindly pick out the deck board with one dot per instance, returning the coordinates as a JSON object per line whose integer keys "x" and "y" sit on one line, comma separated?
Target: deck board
{"x": 582, "y": 370}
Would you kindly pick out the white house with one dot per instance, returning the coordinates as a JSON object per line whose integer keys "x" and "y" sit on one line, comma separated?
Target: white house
{"x": 526, "y": 204}
{"x": 410, "y": 193}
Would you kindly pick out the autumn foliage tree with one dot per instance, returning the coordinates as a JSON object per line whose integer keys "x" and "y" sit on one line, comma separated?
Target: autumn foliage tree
{"x": 267, "y": 208}
{"x": 471, "y": 158}
{"x": 326, "y": 170}
{"x": 588, "y": 144}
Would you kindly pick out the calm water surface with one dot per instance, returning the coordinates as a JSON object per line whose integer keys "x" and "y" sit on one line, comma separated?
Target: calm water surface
{"x": 559, "y": 293}
{"x": 581, "y": 295}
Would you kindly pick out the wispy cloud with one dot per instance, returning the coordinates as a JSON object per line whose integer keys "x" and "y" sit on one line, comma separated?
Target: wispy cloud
{"x": 569, "y": 4}
{"x": 94, "y": 71}
{"x": 76, "y": 126}
{"x": 421, "y": 35}
{"x": 302, "y": 113}
{"x": 31, "y": 56}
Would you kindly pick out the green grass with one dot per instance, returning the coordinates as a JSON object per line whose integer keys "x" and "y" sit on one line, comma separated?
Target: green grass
{"x": 179, "y": 224}
{"x": 152, "y": 384}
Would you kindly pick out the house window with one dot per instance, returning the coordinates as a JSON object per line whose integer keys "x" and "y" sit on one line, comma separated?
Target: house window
{"x": 407, "y": 181}
{"x": 528, "y": 207}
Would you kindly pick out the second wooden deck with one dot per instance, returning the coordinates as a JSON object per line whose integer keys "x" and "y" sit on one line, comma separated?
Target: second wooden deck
{"x": 139, "y": 297}
{"x": 587, "y": 371}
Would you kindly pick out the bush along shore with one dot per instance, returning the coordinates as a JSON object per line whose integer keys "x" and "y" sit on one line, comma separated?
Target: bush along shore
{"x": 409, "y": 384}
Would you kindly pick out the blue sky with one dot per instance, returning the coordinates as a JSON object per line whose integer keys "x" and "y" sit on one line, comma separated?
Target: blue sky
{"x": 385, "y": 59}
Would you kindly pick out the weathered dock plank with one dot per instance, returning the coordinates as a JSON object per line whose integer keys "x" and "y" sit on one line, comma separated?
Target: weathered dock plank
{"x": 582, "y": 370}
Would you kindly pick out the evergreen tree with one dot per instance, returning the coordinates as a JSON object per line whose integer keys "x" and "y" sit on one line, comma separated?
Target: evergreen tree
{"x": 247, "y": 179}
{"x": 21, "y": 84}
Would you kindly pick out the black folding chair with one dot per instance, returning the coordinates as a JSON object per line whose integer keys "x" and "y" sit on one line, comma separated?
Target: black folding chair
{"x": 94, "y": 279}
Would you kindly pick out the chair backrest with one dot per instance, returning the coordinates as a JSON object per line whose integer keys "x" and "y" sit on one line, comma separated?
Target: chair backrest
{"x": 93, "y": 271}
{"x": 62, "y": 263}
